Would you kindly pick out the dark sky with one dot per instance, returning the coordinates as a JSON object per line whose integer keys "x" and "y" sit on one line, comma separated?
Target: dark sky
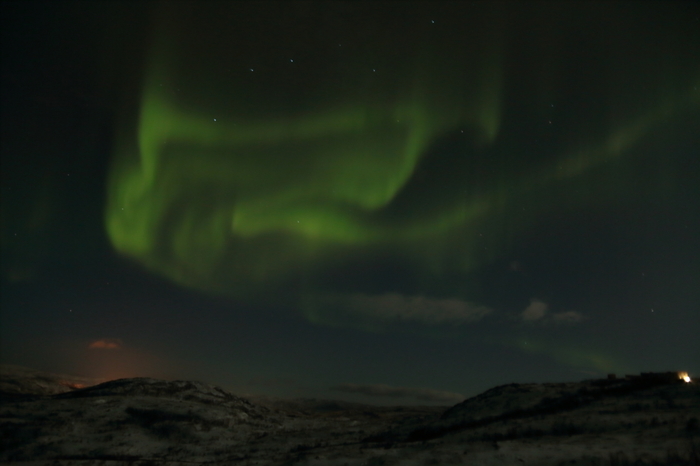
{"x": 388, "y": 202}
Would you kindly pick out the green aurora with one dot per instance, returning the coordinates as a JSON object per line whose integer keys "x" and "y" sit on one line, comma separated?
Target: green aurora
{"x": 227, "y": 190}
{"x": 219, "y": 200}
{"x": 452, "y": 195}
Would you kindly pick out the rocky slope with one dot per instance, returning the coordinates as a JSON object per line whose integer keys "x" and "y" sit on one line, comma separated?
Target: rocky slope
{"x": 148, "y": 421}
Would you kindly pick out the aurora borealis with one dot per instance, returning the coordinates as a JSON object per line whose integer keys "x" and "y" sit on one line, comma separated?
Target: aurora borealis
{"x": 305, "y": 184}
{"x": 512, "y": 183}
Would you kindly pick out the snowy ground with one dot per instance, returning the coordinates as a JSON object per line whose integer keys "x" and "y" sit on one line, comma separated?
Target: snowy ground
{"x": 149, "y": 422}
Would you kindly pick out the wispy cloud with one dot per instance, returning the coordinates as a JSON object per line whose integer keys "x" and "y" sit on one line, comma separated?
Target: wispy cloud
{"x": 538, "y": 311}
{"x": 535, "y": 311}
{"x": 106, "y": 343}
{"x": 397, "y": 308}
{"x": 387, "y": 391}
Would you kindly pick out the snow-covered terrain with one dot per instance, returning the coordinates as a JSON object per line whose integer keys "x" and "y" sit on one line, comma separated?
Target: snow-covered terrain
{"x": 148, "y": 421}
{"x": 17, "y": 380}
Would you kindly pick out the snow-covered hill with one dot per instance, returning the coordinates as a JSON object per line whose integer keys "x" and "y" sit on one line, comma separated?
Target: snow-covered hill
{"x": 20, "y": 381}
{"x": 148, "y": 421}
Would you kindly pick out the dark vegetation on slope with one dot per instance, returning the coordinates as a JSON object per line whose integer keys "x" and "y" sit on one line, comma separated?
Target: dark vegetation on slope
{"x": 549, "y": 405}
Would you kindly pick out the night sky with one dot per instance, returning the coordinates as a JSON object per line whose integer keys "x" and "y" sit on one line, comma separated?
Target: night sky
{"x": 382, "y": 202}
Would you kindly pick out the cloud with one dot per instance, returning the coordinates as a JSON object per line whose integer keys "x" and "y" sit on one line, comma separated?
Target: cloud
{"x": 395, "y": 307}
{"x": 535, "y": 311}
{"x": 106, "y": 343}
{"x": 387, "y": 391}
{"x": 538, "y": 311}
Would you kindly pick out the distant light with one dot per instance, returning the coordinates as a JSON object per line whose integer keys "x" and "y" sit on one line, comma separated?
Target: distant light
{"x": 686, "y": 379}
{"x": 684, "y": 376}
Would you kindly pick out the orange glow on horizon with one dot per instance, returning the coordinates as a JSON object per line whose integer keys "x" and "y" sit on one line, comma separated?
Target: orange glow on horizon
{"x": 105, "y": 362}
{"x": 90, "y": 362}
{"x": 72, "y": 385}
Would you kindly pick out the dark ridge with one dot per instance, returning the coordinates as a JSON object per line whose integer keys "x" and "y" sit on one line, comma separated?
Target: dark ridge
{"x": 547, "y": 406}
{"x": 178, "y": 389}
